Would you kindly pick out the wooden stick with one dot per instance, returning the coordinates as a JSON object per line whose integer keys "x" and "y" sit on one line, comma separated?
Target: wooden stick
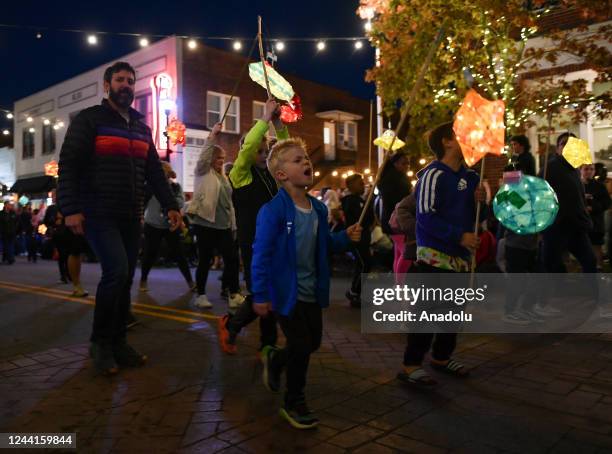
{"x": 411, "y": 99}
{"x": 477, "y": 223}
{"x": 370, "y": 142}
{"x": 242, "y": 73}
{"x": 261, "y": 56}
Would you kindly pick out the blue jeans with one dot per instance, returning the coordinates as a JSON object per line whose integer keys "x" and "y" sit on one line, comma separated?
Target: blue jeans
{"x": 115, "y": 242}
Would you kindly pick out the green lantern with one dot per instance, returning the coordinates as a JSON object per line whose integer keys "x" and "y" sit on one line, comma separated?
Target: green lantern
{"x": 527, "y": 206}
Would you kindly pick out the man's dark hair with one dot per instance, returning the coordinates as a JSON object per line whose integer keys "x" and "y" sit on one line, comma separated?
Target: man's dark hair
{"x": 522, "y": 141}
{"x": 435, "y": 136}
{"x": 115, "y": 68}
{"x": 565, "y": 135}
{"x": 353, "y": 177}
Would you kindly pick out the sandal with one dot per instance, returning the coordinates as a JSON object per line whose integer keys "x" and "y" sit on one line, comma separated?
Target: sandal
{"x": 417, "y": 377}
{"x": 452, "y": 367}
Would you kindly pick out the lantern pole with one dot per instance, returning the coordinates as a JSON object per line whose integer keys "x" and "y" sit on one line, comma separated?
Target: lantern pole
{"x": 477, "y": 223}
{"x": 370, "y": 142}
{"x": 549, "y": 119}
{"x": 411, "y": 99}
{"x": 263, "y": 62}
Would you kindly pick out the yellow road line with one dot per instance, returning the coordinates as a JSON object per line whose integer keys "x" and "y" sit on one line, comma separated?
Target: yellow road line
{"x": 89, "y": 302}
{"x": 135, "y": 304}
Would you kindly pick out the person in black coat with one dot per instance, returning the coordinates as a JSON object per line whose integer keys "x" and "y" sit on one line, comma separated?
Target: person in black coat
{"x": 597, "y": 202}
{"x": 522, "y": 159}
{"x": 9, "y": 225}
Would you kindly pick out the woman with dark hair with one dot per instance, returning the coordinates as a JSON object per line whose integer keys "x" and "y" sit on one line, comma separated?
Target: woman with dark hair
{"x": 393, "y": 187}
{"x": 522, "y": 159}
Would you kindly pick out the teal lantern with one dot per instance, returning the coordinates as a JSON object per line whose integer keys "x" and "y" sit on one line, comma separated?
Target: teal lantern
{"x": 527, "y": 206}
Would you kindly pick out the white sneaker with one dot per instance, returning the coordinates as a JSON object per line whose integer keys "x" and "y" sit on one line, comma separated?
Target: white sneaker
{"x": 546, "y": 311}
{"x": 202, "y": 302}
{"x": 235, "y": 300}
{"x": 516, "y": 318}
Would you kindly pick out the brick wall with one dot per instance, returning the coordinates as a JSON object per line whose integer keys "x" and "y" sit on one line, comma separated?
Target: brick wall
{"x": 211, "y": 69}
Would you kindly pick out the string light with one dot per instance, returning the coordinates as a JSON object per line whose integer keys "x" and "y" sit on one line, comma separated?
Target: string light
{"x": 422, "y": 161}
{"x": 344, "y": 175}
{"x": 46, "y": 122}
{"x": 237, "y": 45}
{"x": 410, "y": 173}
{"x": 92, "y": 40}
{"x": 368, "y": 26}
{"x": 144, "y": 42}
{"x": 32, "y": 130}
{"x": 317, "y": 173}
{"x": 29, "y": 119}
{"x": 358, "y": 45}
{"x": 350, "y": 172}
{"x": 280, "y": 46}
{"x": 335, "y": 173}
{"x": 38, "y": 35}
{"x": 9, "y": 116}
{"x": 321, "y": 45}
{"x": 6, "y": 132}
{"x": 366, "y": 171}
{"x": 192, "y": 44}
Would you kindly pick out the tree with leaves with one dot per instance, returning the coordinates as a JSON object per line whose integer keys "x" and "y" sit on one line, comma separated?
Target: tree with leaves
{"x": 487, "y": 41}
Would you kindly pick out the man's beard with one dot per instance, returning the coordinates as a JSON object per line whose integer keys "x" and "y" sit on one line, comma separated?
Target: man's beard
{"x": 123, "y": 97}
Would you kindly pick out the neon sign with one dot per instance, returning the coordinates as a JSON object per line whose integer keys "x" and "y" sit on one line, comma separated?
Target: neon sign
{"x": 163, "y": 104}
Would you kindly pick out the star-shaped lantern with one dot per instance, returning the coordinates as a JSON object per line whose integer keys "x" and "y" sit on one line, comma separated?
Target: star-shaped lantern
{"x": 176, "y": 132}
{"x": 577, "y": 152}
{"x": 479, "y": 127}
{"x": 385, "y": 140}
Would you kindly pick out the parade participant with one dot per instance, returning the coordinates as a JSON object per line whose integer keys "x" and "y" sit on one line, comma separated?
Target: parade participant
{"x": 522, "y": 159}
{"x": 352, "y": 205}
{"x": 597, "y": 202}
{"x": 253, "y": 187}
{"x": 157, "y": 228}
{"x": 445, "y": 214}
{"x": 291, "y": 273}
{"x": 9, "y": 225}
{"x": 213, "y": 220}
{"x": 105, "y": 159}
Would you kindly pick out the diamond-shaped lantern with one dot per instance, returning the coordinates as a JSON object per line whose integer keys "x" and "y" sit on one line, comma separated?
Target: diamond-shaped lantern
{"x": 479, "y": 127}
{"x": 577, "y": 152}
{"x": 385, "y": 140}
{"x": 279, "y": 86}
{"x": 528, "y": 205}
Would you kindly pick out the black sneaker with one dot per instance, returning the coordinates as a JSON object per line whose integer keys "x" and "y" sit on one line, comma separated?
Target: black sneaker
{"x": 354, "y": 298}
{"x": 299, "y": 416}
{"x": 103, "y": 359}
{"x": 126, "y": 356}
{"x": 225, "y": 293}
{"x": 271, "y": 374}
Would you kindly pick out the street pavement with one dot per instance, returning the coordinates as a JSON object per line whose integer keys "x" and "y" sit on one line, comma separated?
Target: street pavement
{"x": 526, "y": 393}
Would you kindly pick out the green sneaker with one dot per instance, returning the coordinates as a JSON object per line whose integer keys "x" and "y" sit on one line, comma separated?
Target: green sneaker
{"x": 271, "y": 373}
{"x": 299, "y": 416}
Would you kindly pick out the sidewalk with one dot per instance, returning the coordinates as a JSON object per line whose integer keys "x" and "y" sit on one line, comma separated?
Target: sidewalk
{"x": 527, "y": 393}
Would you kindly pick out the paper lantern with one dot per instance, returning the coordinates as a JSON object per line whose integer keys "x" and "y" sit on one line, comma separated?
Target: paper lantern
{"x": 479, "y": 127}
{"x": 385, "y": 140}
{"x": 176, "y": 132}
{"x": 292, "y": 111}
{"x": 279, "y": 87}
{"x": 51, "y": 168}
{"x": 527, "y": 206}
{"x": 577, "y": 152}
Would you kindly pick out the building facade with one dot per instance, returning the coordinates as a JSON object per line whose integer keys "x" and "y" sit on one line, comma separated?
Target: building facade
{"x": 195, "y": 86}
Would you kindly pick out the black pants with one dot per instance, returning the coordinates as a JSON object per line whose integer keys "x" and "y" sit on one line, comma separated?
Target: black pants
{"x": 152, "y": 242}
{"x": 520, "y": 261}
{"x": 557, "y": 242}
{"x": 208, "y": 239}
{"x": 244, "y": 314}
{"x": 32, "y": 245}
{"x": 303, "y": 330}
{"x": 418, "y": 344}
{"x": 363, "y": 264}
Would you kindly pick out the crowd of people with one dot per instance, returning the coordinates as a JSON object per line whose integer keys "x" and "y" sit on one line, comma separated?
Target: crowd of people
{"x": 115, "y": 194}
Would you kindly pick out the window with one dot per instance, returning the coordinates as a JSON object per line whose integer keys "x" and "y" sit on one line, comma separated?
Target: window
{"x": 216, "y": 104}
{"x": 144, "y": 105}
{"x": 347, "y": 135}
{"x": 28, "y": 143}
{"x": 48, "y": 139}
{"x": 259, "y": 109}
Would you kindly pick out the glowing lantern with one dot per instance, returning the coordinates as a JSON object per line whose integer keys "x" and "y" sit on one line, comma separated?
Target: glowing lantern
{"x": 279, "y": 87}
{"x": 385, "y": 140}
{"x": 577, "y": 152}
{"x": 176, "y": 132}
{"x": 526, "y": 205}
{"x": 292, "y": 111}
{"x": 479, "y": 127}
{"x": 51, "y": 168}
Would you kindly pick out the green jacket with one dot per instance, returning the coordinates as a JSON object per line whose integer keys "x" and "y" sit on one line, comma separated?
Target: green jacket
{"x": 241, "y": 175}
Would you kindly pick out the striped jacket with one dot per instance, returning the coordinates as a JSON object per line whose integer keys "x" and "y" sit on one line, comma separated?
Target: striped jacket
{"x": 446, "y": 208}
{"x": 104, "y": 163}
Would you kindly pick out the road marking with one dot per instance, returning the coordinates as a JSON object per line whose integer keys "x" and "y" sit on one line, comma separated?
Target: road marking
{"x": 136, "y": 307}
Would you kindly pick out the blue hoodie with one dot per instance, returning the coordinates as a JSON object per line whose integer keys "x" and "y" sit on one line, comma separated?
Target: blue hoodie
{"x": 446, "y": 208}
{"x": 274, "y": 270}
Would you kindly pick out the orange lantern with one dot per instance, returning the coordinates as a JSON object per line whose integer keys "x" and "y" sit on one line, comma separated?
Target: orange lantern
{"x": 51, "y": 168}
{"x": 176, "y": 132}
{"x": 479, "y": 127}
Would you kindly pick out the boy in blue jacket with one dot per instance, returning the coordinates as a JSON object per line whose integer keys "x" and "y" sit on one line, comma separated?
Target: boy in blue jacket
{"x": 290, "y": 273}
{"x": 446, "y": 208}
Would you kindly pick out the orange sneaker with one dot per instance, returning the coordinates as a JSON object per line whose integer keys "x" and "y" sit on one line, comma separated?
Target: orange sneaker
{"x": 224, "y": 336}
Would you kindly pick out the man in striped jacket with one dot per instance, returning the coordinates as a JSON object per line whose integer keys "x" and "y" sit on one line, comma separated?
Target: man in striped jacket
{"x": 106, "y": 158}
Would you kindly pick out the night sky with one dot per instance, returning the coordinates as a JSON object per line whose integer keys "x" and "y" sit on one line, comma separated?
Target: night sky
{"x": 31, "y": 64}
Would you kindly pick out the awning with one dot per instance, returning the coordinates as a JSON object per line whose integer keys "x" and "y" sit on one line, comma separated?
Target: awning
{"x": 34, "y": 185}
{"x": 338, "y": 115}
